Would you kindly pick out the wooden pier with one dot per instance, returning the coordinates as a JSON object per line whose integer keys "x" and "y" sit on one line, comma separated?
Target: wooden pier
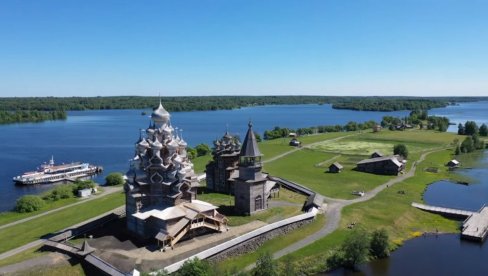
{"x": 475, "y": 226}
{"x": 442, "y": 210}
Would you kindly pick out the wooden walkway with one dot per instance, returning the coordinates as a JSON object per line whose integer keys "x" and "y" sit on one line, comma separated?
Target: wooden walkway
{"x": 314, "y": 200}
{"x": 475, "y": 226}
{"x": 443, "y": 210}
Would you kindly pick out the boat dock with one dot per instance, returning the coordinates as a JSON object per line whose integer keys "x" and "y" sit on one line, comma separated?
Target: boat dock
{"x": 475, "y": 226}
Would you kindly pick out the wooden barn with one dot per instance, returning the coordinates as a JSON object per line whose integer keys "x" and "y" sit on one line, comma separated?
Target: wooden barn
{"x": 388, "y": 165}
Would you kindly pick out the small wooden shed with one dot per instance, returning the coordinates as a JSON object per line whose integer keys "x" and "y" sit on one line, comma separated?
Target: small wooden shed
{"x": 335, "y": 167}
{"x": 453, "y": 163}
{"x": 294, "y": 142}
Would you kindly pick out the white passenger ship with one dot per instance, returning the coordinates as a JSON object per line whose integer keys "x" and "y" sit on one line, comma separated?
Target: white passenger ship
{"x": 51, "y": 173}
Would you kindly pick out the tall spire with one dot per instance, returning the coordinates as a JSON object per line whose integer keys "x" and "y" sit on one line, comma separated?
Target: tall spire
{"x": 250, "y": 144}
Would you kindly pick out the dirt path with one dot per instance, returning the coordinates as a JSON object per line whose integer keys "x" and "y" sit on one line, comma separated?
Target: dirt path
{"x": 334, "y": 208}
{"x": 107, "y": 191}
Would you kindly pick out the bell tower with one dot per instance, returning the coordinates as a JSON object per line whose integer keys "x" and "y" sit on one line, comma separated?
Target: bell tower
{"x": 249, "y": 187}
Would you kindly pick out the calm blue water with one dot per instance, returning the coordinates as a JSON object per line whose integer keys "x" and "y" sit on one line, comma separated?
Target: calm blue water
{"x": 106, "y": 137}
{"x": 444, "y": 255}
{"x": 475, "y": 111}
{"x": 469, "y": 197}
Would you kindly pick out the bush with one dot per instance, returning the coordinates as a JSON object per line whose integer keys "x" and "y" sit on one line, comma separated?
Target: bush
{"x": 401, "y": 150}
{"x": 483, "y": 130}
{"x": 29, "y": 203}
{"x": 195, "y": 267}
{"x": 265, "y": 266}
{"x": 379, "y": 244}
{"x": 83, "y": 184}
{"x": 202, "y": 149}
{"x": 60, "y": 192}
{"x": 191, "y": 153}
{"x": 355, "y": 248}
{"x": 114, "y": 178}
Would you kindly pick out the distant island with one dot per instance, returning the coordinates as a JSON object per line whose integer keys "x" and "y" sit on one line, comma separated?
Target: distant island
{"x": 38, "y": 109}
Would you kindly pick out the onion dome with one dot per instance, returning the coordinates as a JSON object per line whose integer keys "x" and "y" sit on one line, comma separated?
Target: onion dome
{"x": 182, "y": 143}
{"x": 227, "y": 135}
{"x": 172, "y": 146}
{"x": 143, "y": 144}
{"x": 160, "y": 114}
{"x": 156, "y": 144}
{"x": 167, "y": 129}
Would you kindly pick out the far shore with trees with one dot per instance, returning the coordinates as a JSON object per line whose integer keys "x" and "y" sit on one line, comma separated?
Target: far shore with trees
{"x": 38, "y": 109}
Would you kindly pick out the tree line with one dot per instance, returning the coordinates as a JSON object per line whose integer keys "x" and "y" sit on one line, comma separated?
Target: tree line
{"x": 23, "y": 116}
{"x": 416, "y": 118}
{"x": 472, "y": 141}
{"x": 54, "y": 108}
{"x": 278, "y": 132}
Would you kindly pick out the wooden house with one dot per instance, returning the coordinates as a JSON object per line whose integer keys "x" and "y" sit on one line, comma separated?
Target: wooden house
{"x": 453, "y": 163}
{"x": 335, "y": 167}
{"x": 388, "y": 165}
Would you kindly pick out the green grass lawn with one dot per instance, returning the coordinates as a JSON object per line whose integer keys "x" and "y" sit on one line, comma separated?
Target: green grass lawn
{"x": 412, "y": 136}
{"x": 390, "y": 210}
{"x": 240, "y": 262}
{"x": 364, "y": 147}
{"x": 200, "y": 162}
{"x": 29, "y": 231}
{"x": 8, "y": 217}
{"x": 56, "y": 270}
{"x": 275, "y": 147}
{"x": 302, "y": 167}
{"x": 24, "y": 255}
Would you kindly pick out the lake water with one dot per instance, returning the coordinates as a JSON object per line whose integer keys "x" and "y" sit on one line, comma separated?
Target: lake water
{"x": 106, "y": 137}
{"x": 469, "y": 197}
{"x": 431, "y": 255}
{"x": 475, "y": 111}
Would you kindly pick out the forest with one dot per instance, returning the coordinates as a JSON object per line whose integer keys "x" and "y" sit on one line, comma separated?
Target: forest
{"x": 35, "y": 109}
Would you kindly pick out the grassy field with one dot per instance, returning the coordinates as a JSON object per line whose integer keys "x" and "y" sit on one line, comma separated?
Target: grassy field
{"x": 29, "y": 231}
{"x": 199, "y": 163}
{"x": 272, "y": 148}
{"x": 307, "y": 167}
{"x": 7, "y": 217}
{"x": 56, "y": 270}
{"x": 390, "y": 210}
{"x": 24, "y": 255}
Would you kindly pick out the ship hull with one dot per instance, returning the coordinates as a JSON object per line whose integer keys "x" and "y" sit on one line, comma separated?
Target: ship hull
{"x": 55, "y": 178}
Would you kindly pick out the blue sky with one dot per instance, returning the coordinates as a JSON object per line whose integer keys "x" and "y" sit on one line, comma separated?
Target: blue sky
{"x": 233, "y": 47}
